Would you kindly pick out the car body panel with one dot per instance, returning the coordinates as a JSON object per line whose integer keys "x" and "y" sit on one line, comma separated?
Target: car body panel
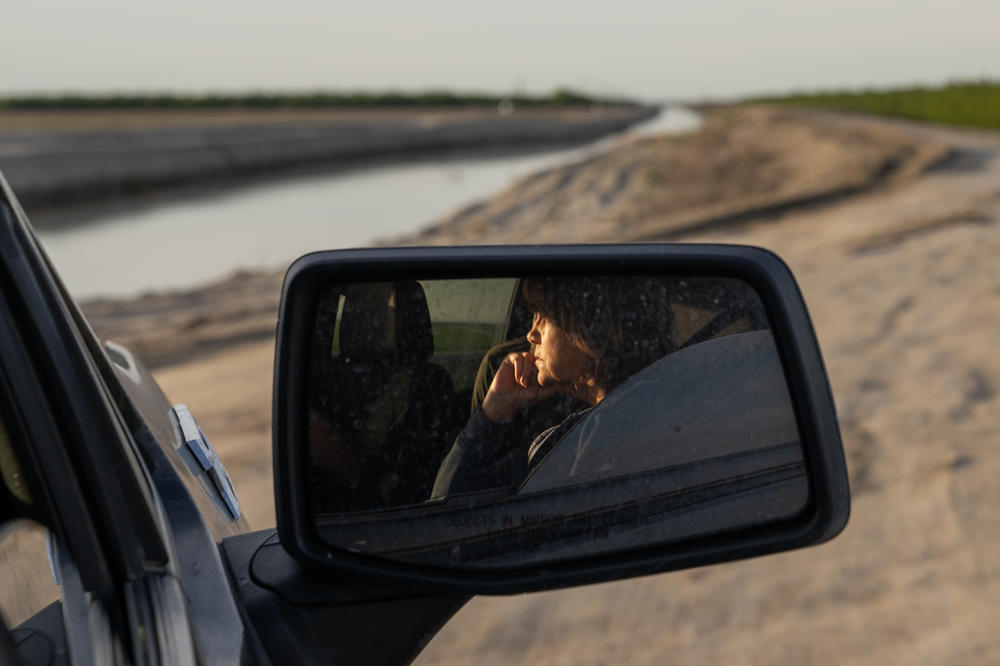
{"x": 163, "y": 588}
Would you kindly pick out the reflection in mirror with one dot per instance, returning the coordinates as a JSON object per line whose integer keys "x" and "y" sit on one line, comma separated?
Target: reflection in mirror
{"x": 512, "y": 421}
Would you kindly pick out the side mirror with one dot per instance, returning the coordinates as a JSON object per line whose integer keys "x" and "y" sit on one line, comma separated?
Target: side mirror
{"x": 495, "y": 420}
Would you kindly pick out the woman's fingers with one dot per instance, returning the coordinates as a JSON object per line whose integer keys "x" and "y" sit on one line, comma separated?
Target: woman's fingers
{"x": 519, "y": 375}
{"x": 530, "y": 370}
{"x": 525, "y": 373}
{"x": 514, "y": 386}
{"x": 515, "y": 364}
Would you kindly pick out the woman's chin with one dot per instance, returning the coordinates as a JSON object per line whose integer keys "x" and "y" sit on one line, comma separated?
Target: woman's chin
{"x": 544, "y": 380}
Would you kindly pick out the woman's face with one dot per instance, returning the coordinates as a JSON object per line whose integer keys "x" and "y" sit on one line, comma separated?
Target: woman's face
{"x": 557, "y": 358}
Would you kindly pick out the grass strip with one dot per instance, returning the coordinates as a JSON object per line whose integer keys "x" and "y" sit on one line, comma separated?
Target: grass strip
{"x": 968, "y": 104}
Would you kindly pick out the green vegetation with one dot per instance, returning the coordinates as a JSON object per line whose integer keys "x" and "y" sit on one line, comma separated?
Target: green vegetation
{"x": 972, "y": 104}
{"x": 309, "y": 100}
{"x": 452, "y": 336}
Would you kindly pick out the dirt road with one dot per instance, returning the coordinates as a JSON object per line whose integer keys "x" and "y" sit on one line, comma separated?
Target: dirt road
{"x": 904, "y": 288}
{"x": 903, "y": 283}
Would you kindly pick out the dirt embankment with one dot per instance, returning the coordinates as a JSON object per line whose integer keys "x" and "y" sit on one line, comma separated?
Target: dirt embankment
{"x": 57, "y": 158}
{"x": 743, "y": 165}
{"x": 893, "y": 231}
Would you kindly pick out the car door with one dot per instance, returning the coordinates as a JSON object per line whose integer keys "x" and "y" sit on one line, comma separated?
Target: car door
{"x": 121, "y": 598}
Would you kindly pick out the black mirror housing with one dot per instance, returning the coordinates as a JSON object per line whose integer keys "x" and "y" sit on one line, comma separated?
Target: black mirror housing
{"x": 823, "y": 517}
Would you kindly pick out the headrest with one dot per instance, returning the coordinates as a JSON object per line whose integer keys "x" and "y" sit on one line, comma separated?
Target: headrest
{"x": 367, "y": 322}
{"x": 386, "y": 320}
{"x": 414, "y": 335}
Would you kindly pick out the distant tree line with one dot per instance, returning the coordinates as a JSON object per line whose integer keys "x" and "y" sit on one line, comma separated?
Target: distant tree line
{"x": 309, "y": 100}
{"x": 968, "y": 103}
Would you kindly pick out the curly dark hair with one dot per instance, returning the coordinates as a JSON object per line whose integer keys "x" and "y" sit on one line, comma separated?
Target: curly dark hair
{"x": 626, "y": 323}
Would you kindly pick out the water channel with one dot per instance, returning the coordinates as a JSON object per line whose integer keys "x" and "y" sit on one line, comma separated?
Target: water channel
{"x": 185, "y": 243}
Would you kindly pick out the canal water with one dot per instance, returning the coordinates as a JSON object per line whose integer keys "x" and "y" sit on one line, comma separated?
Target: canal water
{"x": 185, "y": 243}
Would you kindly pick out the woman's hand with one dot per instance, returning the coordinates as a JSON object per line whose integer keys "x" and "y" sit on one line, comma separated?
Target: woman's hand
{"x": 515, "y": 385}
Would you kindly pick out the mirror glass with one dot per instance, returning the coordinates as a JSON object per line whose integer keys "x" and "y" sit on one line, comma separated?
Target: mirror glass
{"x": 492, "y": 423}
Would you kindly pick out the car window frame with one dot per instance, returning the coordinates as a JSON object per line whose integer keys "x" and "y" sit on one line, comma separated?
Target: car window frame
{"x": 98, "y": 498}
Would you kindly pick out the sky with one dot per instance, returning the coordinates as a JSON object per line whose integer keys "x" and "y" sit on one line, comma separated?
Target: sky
{"x": 654, "y": 50}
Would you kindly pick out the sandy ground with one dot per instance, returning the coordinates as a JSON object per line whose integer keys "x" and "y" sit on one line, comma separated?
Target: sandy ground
{"x": 892, "y": 231}
{"x": 903, "y": 285}
{"x": 742, "y": 165}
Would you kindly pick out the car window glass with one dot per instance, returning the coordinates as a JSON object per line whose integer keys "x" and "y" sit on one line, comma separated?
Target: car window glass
{"x": 473, "y": 306}
{"x": 28, "y": 585}
{"x": 467, "y": 318}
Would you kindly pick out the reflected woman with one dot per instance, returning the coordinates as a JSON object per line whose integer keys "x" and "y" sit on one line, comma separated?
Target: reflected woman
{"x": 587, "y": 336}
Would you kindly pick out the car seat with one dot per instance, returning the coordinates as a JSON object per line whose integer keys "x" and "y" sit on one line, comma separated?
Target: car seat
{"x": 380, "y": 392}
